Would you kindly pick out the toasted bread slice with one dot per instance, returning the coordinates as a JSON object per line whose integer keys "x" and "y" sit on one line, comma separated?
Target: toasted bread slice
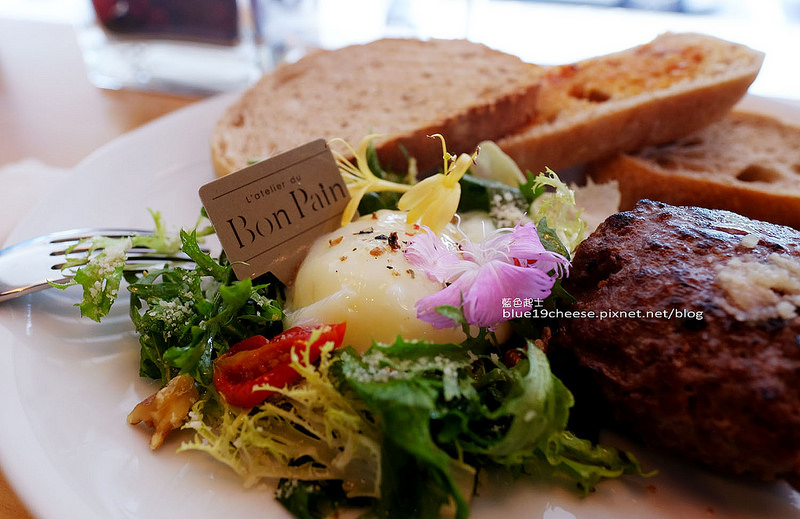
{"x": 747, "y": 163}
{"x": 402, "y": 89}
{"x": 650, "y": 94}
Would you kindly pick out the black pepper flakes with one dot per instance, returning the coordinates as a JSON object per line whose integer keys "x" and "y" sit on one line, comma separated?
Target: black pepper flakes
{"x": 394, "y": 242}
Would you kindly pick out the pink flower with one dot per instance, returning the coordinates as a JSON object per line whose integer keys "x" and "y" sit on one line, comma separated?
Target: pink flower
{"x": 510, "y": 264}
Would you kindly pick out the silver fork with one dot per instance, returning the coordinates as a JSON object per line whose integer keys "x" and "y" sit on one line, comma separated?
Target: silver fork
{"x": 29, "y": 266}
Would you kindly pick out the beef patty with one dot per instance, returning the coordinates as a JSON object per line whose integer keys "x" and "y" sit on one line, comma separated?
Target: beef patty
{"x": 718, "y": 379}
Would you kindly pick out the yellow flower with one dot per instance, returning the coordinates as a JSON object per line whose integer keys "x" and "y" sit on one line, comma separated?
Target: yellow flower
{"x": 359, "y": 178}
{"x": 433, "y": 202}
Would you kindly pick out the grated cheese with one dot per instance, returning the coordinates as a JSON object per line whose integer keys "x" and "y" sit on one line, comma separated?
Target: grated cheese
{"x": 504, "y": 210}
{"x": 757, "y": 290}
{"x": 749, "y": 241}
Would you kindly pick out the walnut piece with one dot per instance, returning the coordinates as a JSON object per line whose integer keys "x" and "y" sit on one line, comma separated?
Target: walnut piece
{"x": 166, "y": 409}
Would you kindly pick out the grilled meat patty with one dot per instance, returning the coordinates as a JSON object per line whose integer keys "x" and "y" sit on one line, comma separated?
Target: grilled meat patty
{"x": 717, "y": 380}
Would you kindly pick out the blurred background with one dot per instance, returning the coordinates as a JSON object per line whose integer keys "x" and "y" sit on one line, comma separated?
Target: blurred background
{"x": 777, "y": 11}
{"x": 544, "y": 32}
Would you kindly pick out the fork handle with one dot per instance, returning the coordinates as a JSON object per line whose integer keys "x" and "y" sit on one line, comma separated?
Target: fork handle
{"x": 7, "y": 292}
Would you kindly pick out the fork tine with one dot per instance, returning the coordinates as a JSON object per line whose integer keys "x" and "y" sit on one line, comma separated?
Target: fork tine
{"x": 140, "y": 267}
{"x": 74, "y": 235}
{"x": 27, "y": 266}
{"x": 134, "y": 252}
{"x": 137, "y": 260}
{"x": 85, "y": 234}
{"x": 83, "y": 250}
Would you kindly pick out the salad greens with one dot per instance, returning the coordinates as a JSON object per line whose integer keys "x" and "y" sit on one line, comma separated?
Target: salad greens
{"x": 447, "y": 412}
{"x": 320, "y": 435}
{"x": 556, "y": 206}
{"x": 184, "y": 318}
{"x": 401, "y": 430}
{"x": 101, "y": 271}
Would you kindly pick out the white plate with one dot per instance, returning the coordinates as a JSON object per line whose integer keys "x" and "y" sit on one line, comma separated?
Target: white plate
{"x": 67, "y": 384}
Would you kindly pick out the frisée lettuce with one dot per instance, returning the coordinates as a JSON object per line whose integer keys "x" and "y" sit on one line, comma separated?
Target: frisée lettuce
{"x": 312, "y": 433}
{"x": 100, "y": 269}
{"x": 404, "y": 429}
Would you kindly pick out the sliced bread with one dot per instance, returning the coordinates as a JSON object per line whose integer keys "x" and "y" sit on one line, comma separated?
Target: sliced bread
{"x": 403, "y": 89}
{"x": 650, "y": 94}
{"x": 747, "y": 163}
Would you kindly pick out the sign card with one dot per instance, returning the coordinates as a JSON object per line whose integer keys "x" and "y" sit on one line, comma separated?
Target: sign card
{"x": 267, "y": 215}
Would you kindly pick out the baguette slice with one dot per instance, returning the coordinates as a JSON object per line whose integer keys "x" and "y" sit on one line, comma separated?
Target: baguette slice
{"x": 747, "y": 163}
{"x": 403, "y": 89}
{"x": 650, "y": 94}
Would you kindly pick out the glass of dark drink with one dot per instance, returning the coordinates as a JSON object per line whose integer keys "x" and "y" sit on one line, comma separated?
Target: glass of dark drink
{"x": 196, "y": 47}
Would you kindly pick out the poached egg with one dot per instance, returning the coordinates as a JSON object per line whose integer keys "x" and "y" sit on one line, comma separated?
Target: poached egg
{"x": 358, "y": 274}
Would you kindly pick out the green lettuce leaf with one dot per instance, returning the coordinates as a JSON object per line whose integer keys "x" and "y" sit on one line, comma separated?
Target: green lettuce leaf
{"x": 446, "y": 412}
{"x": 401, "y": 386}
{"x": 100, "y": 270}
{"x": 311, "y": 499}
{"x": 185, "y": 318}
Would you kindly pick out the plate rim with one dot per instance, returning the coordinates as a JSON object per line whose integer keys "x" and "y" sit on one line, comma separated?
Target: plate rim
{"x": 16, "y": 463}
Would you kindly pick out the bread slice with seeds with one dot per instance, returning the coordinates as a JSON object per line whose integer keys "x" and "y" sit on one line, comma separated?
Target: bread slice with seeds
{"x": 649, "y": 94}
{"x": 748, "y": 163}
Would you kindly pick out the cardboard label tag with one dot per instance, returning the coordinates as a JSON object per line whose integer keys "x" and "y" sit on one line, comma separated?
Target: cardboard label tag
{"x": 268, "y": 214}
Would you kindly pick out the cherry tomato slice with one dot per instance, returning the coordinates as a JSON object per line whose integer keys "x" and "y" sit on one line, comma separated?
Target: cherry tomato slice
{"x": 257, "y": 361}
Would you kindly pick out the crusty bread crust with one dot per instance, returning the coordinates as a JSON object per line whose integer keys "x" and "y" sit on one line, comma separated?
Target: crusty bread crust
{"x": 403, "y": 89}
{"x": 649, "y": 94}
{"x": 747, "y": 163}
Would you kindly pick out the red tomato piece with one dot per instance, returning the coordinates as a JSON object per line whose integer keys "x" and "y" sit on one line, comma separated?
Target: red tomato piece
{"x": 258, "y": 361}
